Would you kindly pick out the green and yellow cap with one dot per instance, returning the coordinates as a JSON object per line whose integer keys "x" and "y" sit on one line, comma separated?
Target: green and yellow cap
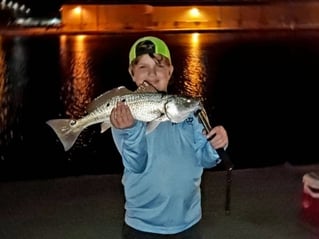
{"x": 149, "y": 45}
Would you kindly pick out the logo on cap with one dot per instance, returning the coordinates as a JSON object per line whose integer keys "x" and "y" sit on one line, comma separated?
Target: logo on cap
{"x": 144, "y": 47}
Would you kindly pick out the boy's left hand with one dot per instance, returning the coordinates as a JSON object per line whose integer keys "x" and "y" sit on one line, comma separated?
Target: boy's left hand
{"x": 218, "y": 137}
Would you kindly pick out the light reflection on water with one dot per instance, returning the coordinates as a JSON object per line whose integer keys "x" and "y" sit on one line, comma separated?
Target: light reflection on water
{"x": 13, "y": 80}
{"x": 194, "y": 73}
{"x": 3, "y": 89}
{"x": 77, "y": 88}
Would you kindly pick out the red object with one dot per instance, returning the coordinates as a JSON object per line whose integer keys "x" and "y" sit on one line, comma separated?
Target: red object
{"x": 310, "y": 200}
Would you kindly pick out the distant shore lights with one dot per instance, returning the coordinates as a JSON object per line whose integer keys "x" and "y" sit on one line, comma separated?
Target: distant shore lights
{"x": 79, "y": 11}
{"x": 14, "y": 6}
{"x": 194, "y": 12}
{"x": 195, "y": 15}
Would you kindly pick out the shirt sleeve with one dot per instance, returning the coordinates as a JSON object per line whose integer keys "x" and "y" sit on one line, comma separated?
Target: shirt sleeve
{"x": 131, "y": 144}
{"x": 207, "y": 155}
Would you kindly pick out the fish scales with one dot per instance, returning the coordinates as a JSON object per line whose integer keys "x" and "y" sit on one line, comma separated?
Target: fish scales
{"x": 144, "y": 107}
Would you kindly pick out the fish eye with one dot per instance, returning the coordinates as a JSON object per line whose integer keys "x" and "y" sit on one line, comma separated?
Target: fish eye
{"x": 72, "y": 122}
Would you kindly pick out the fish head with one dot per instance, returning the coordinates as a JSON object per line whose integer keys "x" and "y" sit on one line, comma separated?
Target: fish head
{"x": 178, "y": 108}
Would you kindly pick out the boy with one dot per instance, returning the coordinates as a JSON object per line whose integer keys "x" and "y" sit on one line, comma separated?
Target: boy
{"x": 162, "y": 169}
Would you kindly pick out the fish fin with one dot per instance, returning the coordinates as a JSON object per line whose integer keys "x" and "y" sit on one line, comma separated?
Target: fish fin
{"x": 162, "y": 118}
{"x": 151, "y": 126}
{"x": 146, "y": 87}
{"x": 121, "y": 90}
{"x": 105, "y": 126}
{"x": 64, "y": 131}
{"x": 101, "y": 99}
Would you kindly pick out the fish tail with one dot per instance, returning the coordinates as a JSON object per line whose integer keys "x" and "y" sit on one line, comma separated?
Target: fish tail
{"x": 66, "y": 134}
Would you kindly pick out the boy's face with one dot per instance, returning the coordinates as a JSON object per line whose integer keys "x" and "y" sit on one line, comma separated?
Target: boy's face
{"x": 157, "y": 73}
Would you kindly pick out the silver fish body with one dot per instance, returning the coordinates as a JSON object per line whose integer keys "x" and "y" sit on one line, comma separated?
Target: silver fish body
{"x": 151, "y": 107}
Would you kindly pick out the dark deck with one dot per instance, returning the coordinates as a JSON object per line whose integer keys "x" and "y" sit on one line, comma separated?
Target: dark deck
{"x": 265, "y": 203}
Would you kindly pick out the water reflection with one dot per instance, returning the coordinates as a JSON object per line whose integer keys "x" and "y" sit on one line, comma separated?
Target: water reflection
{"x": 3, "y": 103}
{"x": 13, "y": 79}
{"x": 194, "y": 73}
{"x": 78, "y": 84}
{"x": 3, "y": 88}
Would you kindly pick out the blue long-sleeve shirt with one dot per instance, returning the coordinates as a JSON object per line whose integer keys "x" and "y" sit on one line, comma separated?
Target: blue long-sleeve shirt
{"x": 162, "y": 174}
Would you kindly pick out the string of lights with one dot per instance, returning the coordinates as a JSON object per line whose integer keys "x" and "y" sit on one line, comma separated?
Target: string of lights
{"x": 15, "y": 8}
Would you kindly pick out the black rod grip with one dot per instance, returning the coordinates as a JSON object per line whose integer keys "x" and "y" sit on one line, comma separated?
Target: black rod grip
{"x": 228, "y": 164}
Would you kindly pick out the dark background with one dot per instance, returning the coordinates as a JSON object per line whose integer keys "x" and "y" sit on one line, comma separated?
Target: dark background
{"x": 262, "y": 86}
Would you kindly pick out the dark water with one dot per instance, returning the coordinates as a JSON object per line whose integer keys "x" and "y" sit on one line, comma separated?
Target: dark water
{"x": 262, "y": 86}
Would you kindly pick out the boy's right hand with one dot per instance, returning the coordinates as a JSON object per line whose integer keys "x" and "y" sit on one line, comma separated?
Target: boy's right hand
{"x": 121, "y": 116}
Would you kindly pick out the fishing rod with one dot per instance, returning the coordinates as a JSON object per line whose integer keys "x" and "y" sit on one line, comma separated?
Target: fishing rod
{"x": 228, "y": 165}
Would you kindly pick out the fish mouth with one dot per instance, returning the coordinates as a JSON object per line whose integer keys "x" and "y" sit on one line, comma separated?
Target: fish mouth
{"x": 146, "y": 86}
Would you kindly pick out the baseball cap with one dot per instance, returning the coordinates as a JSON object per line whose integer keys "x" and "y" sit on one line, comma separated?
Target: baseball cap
{"x": 148, "y": 45}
